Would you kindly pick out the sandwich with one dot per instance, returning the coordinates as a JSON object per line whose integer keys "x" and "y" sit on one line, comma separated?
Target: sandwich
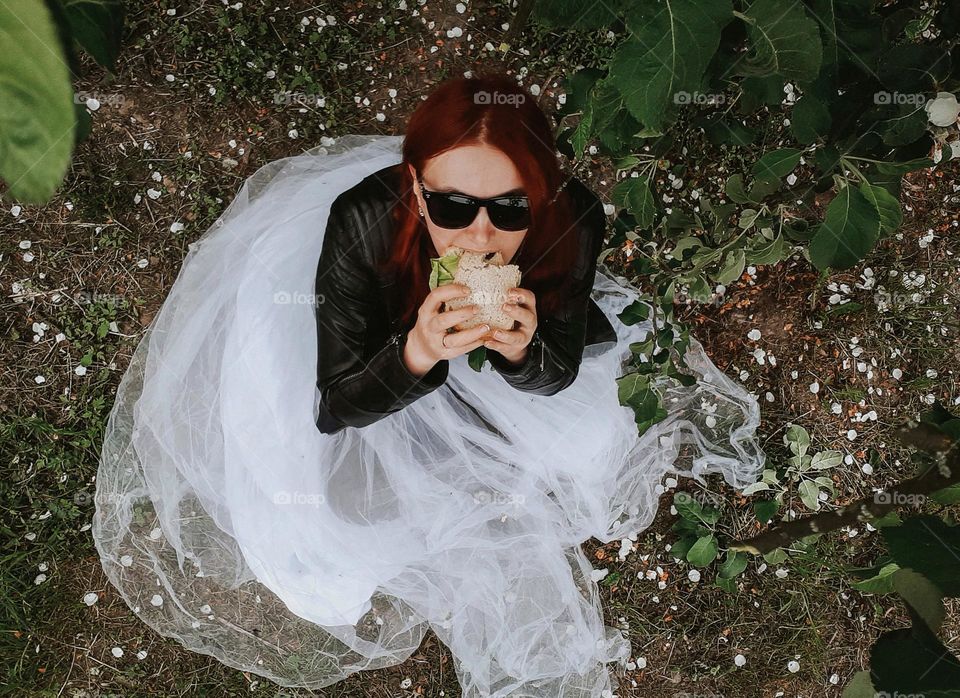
{"x": 488, "y": 279}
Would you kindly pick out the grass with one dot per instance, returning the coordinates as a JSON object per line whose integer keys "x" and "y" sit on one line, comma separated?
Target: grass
{"x": 103, "y": 264}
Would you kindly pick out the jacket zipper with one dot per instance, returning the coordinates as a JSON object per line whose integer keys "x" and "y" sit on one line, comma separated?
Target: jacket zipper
{"x": 395, "y": 339}
{"x": 539, "y": 341}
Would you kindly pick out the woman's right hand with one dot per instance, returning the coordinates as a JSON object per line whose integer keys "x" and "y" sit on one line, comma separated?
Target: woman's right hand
{"x": 429, "y": 342}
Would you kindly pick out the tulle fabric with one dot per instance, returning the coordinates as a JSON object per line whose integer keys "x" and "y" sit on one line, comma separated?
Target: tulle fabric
{"x": 229, "y": 522}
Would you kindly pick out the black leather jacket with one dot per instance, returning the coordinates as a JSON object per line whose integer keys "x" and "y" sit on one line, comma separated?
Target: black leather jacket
{"x": 360, "y": 371}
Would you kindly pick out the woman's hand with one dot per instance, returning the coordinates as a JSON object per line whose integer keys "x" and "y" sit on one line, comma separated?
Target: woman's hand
{"x": 429, "y": 342}
{"x": 512, "y": 344}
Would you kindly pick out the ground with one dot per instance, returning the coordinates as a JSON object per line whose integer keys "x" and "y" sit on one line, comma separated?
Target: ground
{"x": 94, "y": 265}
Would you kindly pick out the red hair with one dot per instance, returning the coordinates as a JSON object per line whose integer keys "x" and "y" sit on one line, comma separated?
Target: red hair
{"x": 509, "y": 119}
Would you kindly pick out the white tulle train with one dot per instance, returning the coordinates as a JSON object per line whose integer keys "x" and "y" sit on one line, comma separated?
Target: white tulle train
{"x": 230, "y": 523}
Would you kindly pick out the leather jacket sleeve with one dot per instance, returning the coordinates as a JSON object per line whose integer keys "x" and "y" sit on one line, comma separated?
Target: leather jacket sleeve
{"x": 554, "y": 353}
{"x": 360, "y": 382}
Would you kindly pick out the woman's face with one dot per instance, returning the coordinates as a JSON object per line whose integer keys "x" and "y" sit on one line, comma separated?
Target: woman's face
{"x": 475, "y": 170}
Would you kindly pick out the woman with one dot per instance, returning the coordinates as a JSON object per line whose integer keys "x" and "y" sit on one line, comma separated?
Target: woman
{"x": 427, "y": 494}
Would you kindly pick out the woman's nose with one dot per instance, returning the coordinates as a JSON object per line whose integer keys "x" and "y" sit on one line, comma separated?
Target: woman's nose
{"x": 482, "y": 229}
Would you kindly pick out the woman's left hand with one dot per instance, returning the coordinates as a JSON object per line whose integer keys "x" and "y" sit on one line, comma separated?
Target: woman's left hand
{"x": 512, "y": 344}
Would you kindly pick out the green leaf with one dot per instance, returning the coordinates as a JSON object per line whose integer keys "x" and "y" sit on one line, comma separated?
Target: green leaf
{"x": 922, "y": 594}
{"x": 583, "y": 131}
{"x": 913, "y": 68}
{"x": 735, "y": 563}
{"x": 680, "y": 548}
{"x": 826, "y": 483}
{"x": 894, "y": 168}
{"x": 37, "y": 124}
{"x": 860, "y": 686}
{"x": 809, "y": 495}
{"x": 755, "y": 487}
{"x": 726, "y": 131}
{"x": 732, "y": 267}
{"x": 728, "y": 585}
{"x": 703, "y": 552}
{"x": 848, "y": 231}
{"x": 699, "y": 290}
{"x": 777, "y": 163}
{"x": 670, "y": 45}
{"x": 826, "y": 459}
{"x": 763, "y": 187}
{"x": 763, "y": 251}
{"x": 891, "y": 518}
{"x": 775, "y": 556}
{"x": 637, "y": 311}
{"x": 733, "y": 188}
{"x": 948, "y": 495}
{"x": 633, "y": 390}
{"x": 810, "y": 119}
{"x": 476, "y": 357}
{"x": 929, "y": 546}
{"x": 97, "y": 25}
{"x": 845, "y": 309}
{"x": 564, "y": 14}
{"x": 764, "y": 509}
{"x": 748, "y": 217}
{"x": 888, "y": 208}
{"x": 578, "y": 87}
{"x": 685, "y": 243}
{"x": 687, "y": 507}
{"x": 690, "y": 508}
{"x": 783, "y": 41}
{"x": 904, "y": 128}
{"x": 759, "y": 91}
{"x": 634, "y": 193}
{"x": 798, "y": 439}
{"x": 913, "y": 661}
{"x": 881, "y": 583}
{"x": 443, "y": 269}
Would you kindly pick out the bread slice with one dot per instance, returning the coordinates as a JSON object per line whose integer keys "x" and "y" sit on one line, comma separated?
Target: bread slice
{"x": 488, "y": 279}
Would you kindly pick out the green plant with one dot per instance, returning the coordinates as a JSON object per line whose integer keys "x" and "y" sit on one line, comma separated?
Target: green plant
{"x": 922, "y": 563}
{"x": 866, "y": 104}
{"x": 699, "y": 540}
{"x": 41, "y": 116}
{"x": 801, "y": 472}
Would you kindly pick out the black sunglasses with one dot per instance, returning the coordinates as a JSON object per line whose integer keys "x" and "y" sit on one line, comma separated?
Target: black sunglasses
{"x": 454, "y": 210}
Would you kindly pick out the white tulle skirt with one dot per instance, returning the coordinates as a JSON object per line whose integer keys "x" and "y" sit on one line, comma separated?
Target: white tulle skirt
{"x": 229, "y": 522}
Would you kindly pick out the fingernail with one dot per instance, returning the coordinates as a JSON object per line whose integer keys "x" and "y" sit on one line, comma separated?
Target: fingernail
{"x": 486, "y": 328}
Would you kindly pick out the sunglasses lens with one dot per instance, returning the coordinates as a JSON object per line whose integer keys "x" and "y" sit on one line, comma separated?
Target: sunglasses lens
{"x": 509, "y": 214}
{"x": 451, "y": 211}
